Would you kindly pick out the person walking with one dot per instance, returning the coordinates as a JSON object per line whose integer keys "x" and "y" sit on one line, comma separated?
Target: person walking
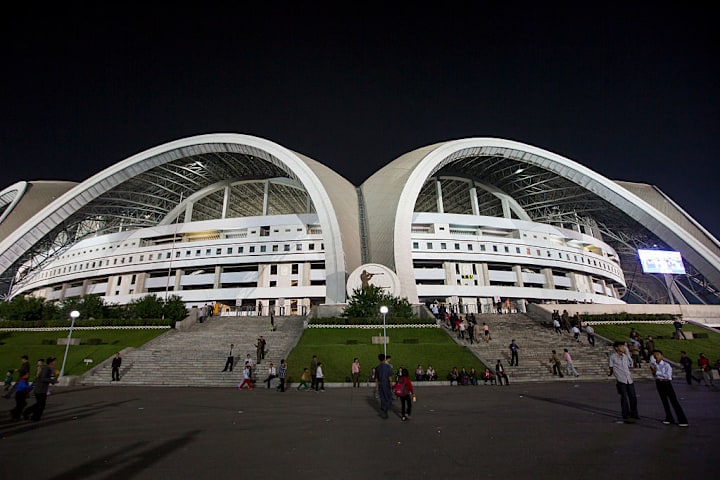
{"x": 556, "y": 364}
{"x": 247, "y": 377}
{"x": 513, "y": 353}
{"x": 619, "y": 365}
{"x": 383, "y": 384}
{"x": 304, "y": 379}
{"x": 313, "y": 371}
{"x": 662, "y": 371}
{"x": 355, "y": 372}
{"x": 319, "y": 378}
{"x": 116, "y": 363}
{"x": 500, "y": 374}
{"x": 704, "y": 365}
{"x": 569, "y": 365}
{"x": 405, "y": 392}
{"x": 590, "y": 332}
{"x": 230, "y": 360}
{"x": 41, "y": 385}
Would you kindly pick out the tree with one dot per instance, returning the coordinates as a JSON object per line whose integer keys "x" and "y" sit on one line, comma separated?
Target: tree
{"x": 174, "y": 308}
{"x": 366, "y": 302}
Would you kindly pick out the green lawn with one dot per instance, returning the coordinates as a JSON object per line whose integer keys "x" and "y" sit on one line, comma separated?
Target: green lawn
{"x": 38, "y": 345}
{"x": 336, "y": 349}
{"x": 662, "y": 335}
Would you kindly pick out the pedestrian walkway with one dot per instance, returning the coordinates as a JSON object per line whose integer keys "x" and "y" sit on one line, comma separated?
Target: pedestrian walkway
{"x": 536, "y": 343}
{"x": 197, "y": 356}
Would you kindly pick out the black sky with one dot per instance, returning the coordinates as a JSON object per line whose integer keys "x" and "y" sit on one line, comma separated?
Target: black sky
{"x": 631, "y": 91}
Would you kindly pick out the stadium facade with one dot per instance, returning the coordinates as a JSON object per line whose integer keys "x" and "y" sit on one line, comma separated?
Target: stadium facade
{"x": 249, "y": 225}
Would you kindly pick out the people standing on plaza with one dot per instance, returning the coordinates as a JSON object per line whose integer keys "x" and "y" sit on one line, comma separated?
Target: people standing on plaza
{"x": 313, "y": 371}
{"x": 405, "y": 392}
{"x": 569, "y": 365}
{"x": 513, "y": 353}
{"x": 115, "y": 366}
{"x": 247, "y": 377}
{"x": 500, "y": 374}
{"x": 230, "y": 360}
{"x": 7, "y": 385}
{"x": 355, "y": 372}
{"x": 304, "y": 379}
{"x": 590, "y": 332}
{"x": 619, "y": 365}
{"x": 686, "y": 363}
{"x": 282, "y": 373}
{"x": 319, "y": 377}
{"x": 556, "y": 364}
{"x": 41, "y": 385}
{"x": 662, "y": 371}
{"x": 383, "y": 384}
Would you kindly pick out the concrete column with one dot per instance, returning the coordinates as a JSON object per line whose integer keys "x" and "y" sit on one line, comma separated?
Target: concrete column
{"x": 549, "y": 280}
{"x": 266, "y": 191}
{"x": 438, "y": 197}
{"x": 218, "y": 273}
{"x": 519, "y": 282}
{"x": 474, "y": 201}
{"x": 178, "y": 275}
{"x": 226, "y": 201}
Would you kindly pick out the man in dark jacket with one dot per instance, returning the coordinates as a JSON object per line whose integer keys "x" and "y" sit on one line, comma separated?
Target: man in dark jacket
{"x": 41, "y": 386}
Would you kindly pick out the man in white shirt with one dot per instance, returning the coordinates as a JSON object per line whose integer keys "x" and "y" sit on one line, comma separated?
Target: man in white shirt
{"x": 272, "y": 373}
{"x": 663, "y": 383}
{"x": 619, "y": 363}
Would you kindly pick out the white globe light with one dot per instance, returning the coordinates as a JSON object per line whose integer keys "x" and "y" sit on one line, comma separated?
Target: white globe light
{"x": 74, "y": 314}
{"x": 383, "y": 309}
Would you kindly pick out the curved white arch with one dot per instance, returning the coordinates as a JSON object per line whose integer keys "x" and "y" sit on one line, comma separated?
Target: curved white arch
{"x": 22, "y": 239}
{"x": 410, "y": 171}
{"x": 19, "y": 190}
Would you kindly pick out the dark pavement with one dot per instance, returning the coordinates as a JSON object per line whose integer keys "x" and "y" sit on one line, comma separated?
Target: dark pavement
{"x": 551, "y": 430}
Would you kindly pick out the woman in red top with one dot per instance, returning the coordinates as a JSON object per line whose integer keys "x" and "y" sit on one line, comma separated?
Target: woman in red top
{"x": 405, "y": 394}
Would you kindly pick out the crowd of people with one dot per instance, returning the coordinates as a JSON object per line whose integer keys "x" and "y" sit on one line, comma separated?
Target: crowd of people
{"x": 45, "y": 375}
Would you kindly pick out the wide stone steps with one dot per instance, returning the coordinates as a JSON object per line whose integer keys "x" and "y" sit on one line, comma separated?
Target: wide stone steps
{"x": 197, "y": 357}
{"x": 536, "y": 343}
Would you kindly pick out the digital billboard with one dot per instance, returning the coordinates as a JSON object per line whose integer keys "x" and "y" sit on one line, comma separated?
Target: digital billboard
{"x": 661, "y": 261}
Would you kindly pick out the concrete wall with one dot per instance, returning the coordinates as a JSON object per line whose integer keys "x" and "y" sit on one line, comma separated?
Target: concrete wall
{"x": 708, "y": 315}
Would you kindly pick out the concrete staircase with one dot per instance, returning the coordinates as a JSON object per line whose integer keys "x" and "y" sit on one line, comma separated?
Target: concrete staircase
{"x": 197, "y": 356}
{"x": 536, "y": 343}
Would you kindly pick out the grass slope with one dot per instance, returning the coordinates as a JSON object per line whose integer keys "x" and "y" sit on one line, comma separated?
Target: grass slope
{"x": 37, "y": 345}
{"x": 408, "y": 347}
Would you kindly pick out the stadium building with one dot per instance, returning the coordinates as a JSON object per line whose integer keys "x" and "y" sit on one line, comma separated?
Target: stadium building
{"x": 249, "y": 225}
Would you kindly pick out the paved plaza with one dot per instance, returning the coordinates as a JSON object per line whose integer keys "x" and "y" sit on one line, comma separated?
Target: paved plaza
{"x": 549, "y": 430}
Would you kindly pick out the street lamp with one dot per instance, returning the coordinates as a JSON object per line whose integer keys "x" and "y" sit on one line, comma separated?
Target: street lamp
{"x": 73, "y": 315}
{"x": 384, "y": 311}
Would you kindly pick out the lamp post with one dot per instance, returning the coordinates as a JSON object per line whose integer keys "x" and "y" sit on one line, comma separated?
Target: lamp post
{"x": 73, "y": 315}
{"x": 384, "y": 311}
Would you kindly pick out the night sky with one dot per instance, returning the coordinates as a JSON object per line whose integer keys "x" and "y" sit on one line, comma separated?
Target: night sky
{"x": 631, "y": 91}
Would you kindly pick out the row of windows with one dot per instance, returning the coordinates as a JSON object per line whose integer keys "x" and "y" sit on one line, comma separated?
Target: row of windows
{"x": 537, "y": 252}
{"x": 184, "y": 253}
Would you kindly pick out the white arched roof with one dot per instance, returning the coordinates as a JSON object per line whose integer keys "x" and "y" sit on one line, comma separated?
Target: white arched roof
{"x": 391, "y": 194}
{"x": 317, "y": 179}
